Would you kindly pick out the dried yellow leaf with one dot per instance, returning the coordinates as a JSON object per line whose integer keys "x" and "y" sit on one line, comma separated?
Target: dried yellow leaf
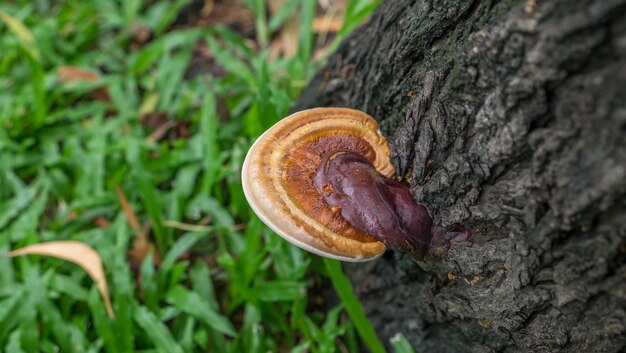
{"x": 79, "y": 253}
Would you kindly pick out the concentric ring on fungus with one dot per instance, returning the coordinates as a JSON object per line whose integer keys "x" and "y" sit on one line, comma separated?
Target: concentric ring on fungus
{"x": 278, "y": 171}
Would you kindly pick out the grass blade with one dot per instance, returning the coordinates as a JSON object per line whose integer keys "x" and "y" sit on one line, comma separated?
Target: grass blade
{"x": 401, "y": 344}
{"x": 156, "y": 331}
{"x": 22, "y": 33}
{"x": 192, "y": 304}
{"x": 353, "y": 306}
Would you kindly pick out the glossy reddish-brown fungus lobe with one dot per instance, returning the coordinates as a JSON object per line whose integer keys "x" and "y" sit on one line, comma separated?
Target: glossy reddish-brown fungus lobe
{"x": 301, "y": 163}
{"x": 381, "y": 207}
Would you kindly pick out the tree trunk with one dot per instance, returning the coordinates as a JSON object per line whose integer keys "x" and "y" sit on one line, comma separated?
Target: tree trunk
{"x": 510, "y": 118}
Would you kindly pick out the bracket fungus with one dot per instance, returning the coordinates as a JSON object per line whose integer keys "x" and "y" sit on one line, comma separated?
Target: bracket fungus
{"x": 320, "y": 179}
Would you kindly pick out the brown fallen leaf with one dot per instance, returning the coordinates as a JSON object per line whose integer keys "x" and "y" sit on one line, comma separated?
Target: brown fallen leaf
{"x": 131, "y": 217}
{"x": 327, "y": 24}
{"x": 142, "y": 245}
{"x": 141, "y": 34}
{"x": 79, "y": 253}
{"x": 285, "y": 44}
{"x": 207, "y": 8}
{"x": 69, "y": 74}
{"x": 235, "y": 14}
{"x": 101, "y": 222}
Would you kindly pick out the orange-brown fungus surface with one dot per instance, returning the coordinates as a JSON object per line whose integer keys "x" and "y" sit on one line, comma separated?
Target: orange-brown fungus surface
{"x": 277, "y": 177}
{"x": 300, "y": 164}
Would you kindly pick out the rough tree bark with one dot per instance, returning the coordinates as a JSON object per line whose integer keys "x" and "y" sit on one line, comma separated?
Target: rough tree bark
{"x": 508, "y": 117}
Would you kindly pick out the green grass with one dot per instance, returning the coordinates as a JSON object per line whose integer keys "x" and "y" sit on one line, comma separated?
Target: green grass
{"x": 227, "y": 285}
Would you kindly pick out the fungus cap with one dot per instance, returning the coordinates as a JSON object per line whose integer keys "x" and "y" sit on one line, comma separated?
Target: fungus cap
{"x": 277, "y": 178}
